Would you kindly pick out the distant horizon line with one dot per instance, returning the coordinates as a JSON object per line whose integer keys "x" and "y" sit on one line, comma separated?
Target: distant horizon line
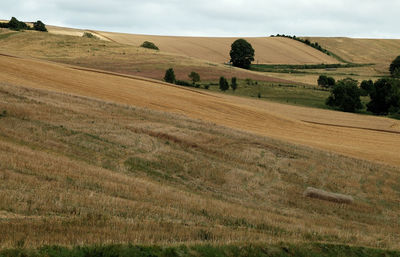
{"x": 212, "y": 36}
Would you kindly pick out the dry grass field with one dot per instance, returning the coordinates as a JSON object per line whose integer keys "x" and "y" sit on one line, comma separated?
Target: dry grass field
{"x": 75, "y": 170}
{"x": 378, "y": 51}
{"x": 92, "y": 152}
{"x": 268, "y": 50}
{"x": 115, "y": 57}
{"x": 358, "y": 135}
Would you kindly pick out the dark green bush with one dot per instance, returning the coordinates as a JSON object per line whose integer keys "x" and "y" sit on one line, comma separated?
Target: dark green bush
{"x": 149, "y": 45}
{"x": 39, "y": 26}
{"x": 89, "y": 35}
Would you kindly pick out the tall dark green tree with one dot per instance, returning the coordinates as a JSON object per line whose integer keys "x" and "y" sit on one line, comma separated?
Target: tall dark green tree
{"x": 242, "y": 54}
{"x": 223, "y": 84}
{"x": 395, "y": 67}
{"x": 345, "y": 96}
{"x": 170, "y": 76}
{"x": 385, "y": 97}
{"x": 234, "y": 83}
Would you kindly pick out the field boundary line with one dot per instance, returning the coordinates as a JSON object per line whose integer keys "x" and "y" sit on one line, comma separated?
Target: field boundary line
{"x": 352, "y": 127}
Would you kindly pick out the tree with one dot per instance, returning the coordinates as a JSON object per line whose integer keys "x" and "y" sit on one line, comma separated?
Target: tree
{"x": 322, "y": 81}
{"x": 345, "y": 96}
{"x": 234, "y": 83}
{"x": 15, "y": 24}
{"x": 223, "y": 84}
{"x": 395, "y": 66}
{"x": 325, "y": 81}
{"x": 195, "y": 77}
{"x": 39, "y": 26}
{"x": 242, "y": 54}
{"x": 170, "y": 76}
{"x": 331, "y": 82}
{"x": 366, "y": 87}
{"x": 385, "y": 97}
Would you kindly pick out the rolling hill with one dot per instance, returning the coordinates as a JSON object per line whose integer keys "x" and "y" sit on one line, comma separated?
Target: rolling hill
{"x": 358, "y": 50}
{"x": 268, "y": 50}
{"x": 91, "y": 157}
{"x": 92, "y": 153}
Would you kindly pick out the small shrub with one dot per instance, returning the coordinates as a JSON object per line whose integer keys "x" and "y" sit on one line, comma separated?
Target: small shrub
{"x": 207, "y": 87}
{"x": 183, "y": 83}
{"x": 89, "y": 35}
{"x": 149, "y": 45}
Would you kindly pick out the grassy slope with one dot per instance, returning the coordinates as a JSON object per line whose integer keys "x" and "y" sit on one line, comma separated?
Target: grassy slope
{"x": 115, "y": 57}
{"x": 82, "y": 171}
{"x": 379, "y": 51}
{"x": 268, "y": 50}
{"x": 350, "y": 134}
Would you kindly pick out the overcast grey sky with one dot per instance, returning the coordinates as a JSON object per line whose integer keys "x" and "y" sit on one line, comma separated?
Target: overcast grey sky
{"x": 353, "y": 18}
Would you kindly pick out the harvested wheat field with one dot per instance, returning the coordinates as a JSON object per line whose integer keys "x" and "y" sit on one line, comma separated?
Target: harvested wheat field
{"x": 268, "y": 50}
{"x": 378, "y": 51}
{"x": 116, "y": 57}
{"x": 77, "y": 171}
{"x": 348, "y": 134}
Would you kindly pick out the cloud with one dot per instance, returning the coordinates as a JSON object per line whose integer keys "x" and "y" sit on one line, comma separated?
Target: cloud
{"x": 355, "y": 18}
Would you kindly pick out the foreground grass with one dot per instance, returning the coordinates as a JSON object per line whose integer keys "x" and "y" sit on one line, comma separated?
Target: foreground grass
{"x": 279, "y": 250}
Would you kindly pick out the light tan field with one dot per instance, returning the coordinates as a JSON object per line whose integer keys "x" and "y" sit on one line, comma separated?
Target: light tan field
{"x": 75, "y": 170}
{"x": 268, "y": 50}
{"x": 116, "y": 57}
{"x": 359, "y": 135}
{"x": 357, "y": 50}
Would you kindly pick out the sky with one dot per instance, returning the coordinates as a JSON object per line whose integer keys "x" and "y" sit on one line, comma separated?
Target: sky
{"x": 350, "y": 18}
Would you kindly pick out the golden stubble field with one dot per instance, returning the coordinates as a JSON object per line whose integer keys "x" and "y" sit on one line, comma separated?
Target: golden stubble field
{"x": 116, "y": 57}
{"x": 268, "y": 50}
{"x": 367, "y": 137}
{"x": 77, "y": 171}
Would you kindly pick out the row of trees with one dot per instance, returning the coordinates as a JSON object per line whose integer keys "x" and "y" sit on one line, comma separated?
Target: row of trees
{"x": 224, "y": 85}
{"x": 384, "y": 96}
{"x": 170, "y": 78}
{"x": 15, "y": 24}
{"x": 384, "y": 93}
{"x": 195, "y": 77}
{"x": 305, "y": 41}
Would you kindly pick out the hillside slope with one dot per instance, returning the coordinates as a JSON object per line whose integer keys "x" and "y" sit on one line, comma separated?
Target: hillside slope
{"x": 357, "y": 50}
{"x": 268, "y": 50}
{"x": 349, "y": 134}
{"x": 79, "y": 171}
{"x": 116, "y": 57}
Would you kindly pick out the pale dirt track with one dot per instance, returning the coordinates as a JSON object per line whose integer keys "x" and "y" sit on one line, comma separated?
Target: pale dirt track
{"x": 267, "y": 50}
{"x": 270, "y": 119}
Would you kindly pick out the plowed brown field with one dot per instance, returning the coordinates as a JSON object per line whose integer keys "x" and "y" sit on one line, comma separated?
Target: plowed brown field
{"x": 366, "y": 137}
